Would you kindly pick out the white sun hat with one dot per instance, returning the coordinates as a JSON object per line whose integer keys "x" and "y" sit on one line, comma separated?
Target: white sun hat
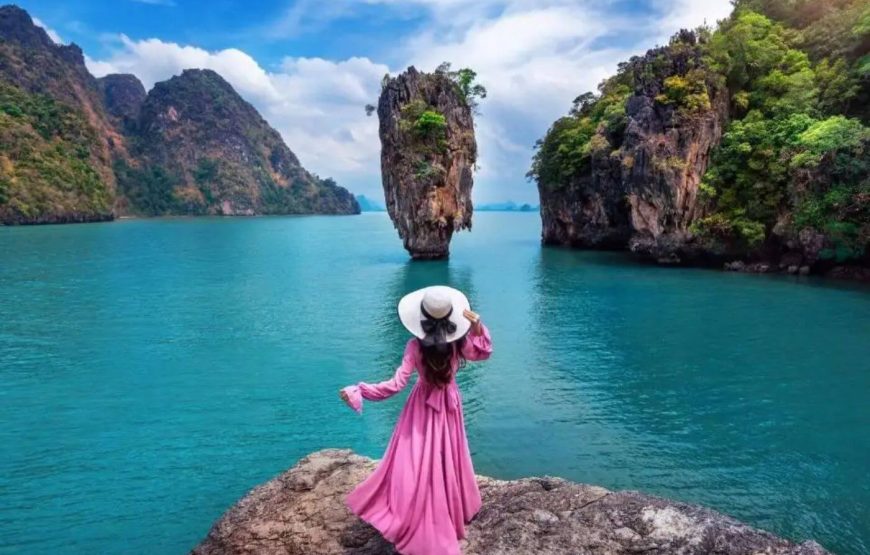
{"x": 434, "y": 304}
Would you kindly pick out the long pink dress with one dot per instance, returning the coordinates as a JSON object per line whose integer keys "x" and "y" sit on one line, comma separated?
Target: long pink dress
{"x": 423, "y": 492}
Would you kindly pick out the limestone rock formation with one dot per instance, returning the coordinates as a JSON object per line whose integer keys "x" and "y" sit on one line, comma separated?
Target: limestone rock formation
{"x": 641, "y": 187}
{"x": 123, "y": 96}
{"x": 690, "y": 154}
{"x": 428, "y": 153}
{"x": 302, "y": 512}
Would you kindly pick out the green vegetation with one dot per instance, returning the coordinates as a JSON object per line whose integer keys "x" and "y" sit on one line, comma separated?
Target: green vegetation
{"x": 206, "y": 171}
{"x": 687, "y": 92}
{"x": 149, "y": 190}
{"x": 596, "y": 123}
{"x": 430, "y": 124}
{"x": 47, "y": 161}
{"x": 786, "y": 154}
{"x": 794, "y": 155}
{"x": 465, "y": 80}
{"x": 427, "y": 124}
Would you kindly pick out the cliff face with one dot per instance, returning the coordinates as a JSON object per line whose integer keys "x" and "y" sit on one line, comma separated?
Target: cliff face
{"x": 123, "y": 96}
{"x": 57, "y": 140}
{"x": 74, "y": 148}
{"x": 302, "y": 511}
{"x": 744, "y": 145}
{"x": 640, "y": 187}
{"x": 428, "y": 152}
{"x": 207, "y": 151}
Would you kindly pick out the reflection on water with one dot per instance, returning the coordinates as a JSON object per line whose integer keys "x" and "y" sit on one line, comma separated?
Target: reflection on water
{"x": 154, "y": 371}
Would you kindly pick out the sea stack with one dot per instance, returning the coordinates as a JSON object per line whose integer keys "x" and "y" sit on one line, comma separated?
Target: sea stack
{"x": 428, "y": 152}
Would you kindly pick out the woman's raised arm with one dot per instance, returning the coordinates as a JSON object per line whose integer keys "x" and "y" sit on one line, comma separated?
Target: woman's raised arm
{"x": 354, "y": 394}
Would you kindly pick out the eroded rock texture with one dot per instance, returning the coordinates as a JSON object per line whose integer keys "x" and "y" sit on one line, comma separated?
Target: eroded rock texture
{"x": 641, "y": 191}
{"x": 426, "y": 168}
{"x": 302, "y": 512}
{"x": 123, "y": 96}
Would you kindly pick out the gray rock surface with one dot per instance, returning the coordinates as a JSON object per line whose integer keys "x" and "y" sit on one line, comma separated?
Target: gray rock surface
{"x": 302, "y": 512}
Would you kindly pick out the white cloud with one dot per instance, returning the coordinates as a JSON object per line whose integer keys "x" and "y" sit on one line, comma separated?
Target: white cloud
{"x": 52, "y": 34}
{"x": 534, "y": 57}
{"x": 689, "y": 14}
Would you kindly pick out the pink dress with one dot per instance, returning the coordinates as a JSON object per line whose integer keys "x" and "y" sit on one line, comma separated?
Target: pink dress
{"x": 423, "y": 492}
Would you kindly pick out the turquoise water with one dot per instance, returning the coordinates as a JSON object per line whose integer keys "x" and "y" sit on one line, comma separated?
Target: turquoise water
{"x": 153, "y": 371}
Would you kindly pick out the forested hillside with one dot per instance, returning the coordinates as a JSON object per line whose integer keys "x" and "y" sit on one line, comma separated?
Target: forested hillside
{"x": 752, "y": 140}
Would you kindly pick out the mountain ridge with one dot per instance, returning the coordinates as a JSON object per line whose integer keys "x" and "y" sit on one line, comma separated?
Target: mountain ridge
{"x": 77, "y": 148}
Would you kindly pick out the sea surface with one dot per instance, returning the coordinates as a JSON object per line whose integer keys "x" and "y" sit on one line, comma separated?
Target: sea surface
{"x": 153, "y": 371}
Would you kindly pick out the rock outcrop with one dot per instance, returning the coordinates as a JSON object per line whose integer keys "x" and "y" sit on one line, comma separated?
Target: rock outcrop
{"x": 123, "y": 96}
{"x": 723, "y": 146}
{"x": 428, "y": 152}
{"x": 641, "y": 190}
{"x": 302, "y": 512}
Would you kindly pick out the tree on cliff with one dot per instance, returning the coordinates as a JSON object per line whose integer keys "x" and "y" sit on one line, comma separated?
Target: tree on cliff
{"x": 465, "y": 78}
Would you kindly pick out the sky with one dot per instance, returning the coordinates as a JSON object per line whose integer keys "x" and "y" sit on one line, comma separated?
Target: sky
{"x": 310, "y": 66}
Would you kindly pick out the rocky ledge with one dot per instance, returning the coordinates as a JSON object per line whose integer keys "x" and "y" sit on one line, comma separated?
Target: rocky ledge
{"x": 302, "y": 512}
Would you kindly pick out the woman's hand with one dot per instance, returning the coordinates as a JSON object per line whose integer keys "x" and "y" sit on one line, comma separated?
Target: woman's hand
{"x": 474, "y": 318}
{"x": 343, "y": 394}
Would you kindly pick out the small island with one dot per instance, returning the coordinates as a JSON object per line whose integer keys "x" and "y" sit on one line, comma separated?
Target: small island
{"x": 742, "y": 146}
{"x": 428, "y": 153}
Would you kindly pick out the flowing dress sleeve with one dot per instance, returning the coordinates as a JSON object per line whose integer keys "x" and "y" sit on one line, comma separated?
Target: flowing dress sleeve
{"x": 386, "y": 389}
{"x": 477, "y": 347}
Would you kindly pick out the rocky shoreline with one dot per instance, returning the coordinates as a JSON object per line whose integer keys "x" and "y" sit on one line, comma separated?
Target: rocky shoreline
{"x": 302, "y": 511}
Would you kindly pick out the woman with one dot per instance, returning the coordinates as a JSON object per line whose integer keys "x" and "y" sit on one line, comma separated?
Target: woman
{"x": 423, "y": 492}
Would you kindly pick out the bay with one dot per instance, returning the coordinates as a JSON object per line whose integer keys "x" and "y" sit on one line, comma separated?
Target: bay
{"x": 152, "y": 371}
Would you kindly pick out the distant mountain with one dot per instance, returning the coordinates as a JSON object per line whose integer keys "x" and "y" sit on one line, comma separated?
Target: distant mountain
{"x": 368, "y": 205}
{"x": 508, "y": 206}
{"x": 204, "y": 150}
{"x": 74, "y": 148}
{"x": 123, "y": 96}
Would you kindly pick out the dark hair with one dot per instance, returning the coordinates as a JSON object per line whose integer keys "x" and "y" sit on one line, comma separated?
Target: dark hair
{"x": 437, "y": 360}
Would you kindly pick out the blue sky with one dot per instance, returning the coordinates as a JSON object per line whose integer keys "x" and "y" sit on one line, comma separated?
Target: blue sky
{"x": 309, "y": 66}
